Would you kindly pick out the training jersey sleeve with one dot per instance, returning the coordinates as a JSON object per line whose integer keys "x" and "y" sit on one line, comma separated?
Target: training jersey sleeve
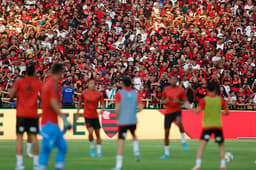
{"x": 101, "y": 99}
{"x": 223, "y": 104}
{"x": 81, "y": 99}
{"x": 118, "y": 97}
{"x": 16, "y": 85}
{"x": 202, "y": 104}
{"x": 183, "y": 95}
{"x": 53, "y": 91}
{"x": 164, "y": 94}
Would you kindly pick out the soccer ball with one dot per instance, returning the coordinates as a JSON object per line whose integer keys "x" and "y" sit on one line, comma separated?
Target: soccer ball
{"x": 229, "y": 156}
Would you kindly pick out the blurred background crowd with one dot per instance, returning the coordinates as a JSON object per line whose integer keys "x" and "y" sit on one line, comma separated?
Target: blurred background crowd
{"x": 196, "y": 40}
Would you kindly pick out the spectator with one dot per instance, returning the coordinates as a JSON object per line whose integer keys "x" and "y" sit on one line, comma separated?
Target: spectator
{"x": 67, "y": 93}
{"x": 149, "y": 40}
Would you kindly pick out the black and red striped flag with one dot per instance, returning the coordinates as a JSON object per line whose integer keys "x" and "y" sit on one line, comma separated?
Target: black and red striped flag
{"x": 109, "y": 123}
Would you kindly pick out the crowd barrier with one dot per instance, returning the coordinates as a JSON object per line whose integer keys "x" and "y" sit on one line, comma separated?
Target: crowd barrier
{"x": 239, "y": 124}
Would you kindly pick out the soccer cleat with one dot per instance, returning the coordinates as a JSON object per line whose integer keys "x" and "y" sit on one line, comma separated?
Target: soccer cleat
{"x": 92, "y": 153}
{"x": 99, "y": 155}
{"x": 117, "y": 169}
{"x": 165, "y": 156}
{"x": 185, "y": 146}
{"x": 137, "y": 158}
{"x": 36, "y": 167}
{"x": 196, "y": 168}
{"x": 20, "y": 167}
{"x": 223, "y": 168}
{"x": 30, "y": 155}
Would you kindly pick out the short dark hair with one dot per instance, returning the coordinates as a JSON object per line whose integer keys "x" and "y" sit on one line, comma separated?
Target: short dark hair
{"x": 57, "y": 68}
{"x": 211, "y": 86}
{"x": 30, "y": 70}
{"x": 127, "y": 81}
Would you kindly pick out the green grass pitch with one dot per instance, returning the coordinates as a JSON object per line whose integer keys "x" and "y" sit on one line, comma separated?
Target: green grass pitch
{"x": 78, "y": 156}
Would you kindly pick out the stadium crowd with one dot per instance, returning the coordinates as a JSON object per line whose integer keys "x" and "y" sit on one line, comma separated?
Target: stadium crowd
{"x": 150, "y": 40}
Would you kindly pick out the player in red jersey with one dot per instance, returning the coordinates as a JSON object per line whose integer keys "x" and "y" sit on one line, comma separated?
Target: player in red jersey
{"x": 26, "y": 91}
{"x": 50, "y": 131}
{"x": 91, "y": 98}
{"x": 173, "y": 98}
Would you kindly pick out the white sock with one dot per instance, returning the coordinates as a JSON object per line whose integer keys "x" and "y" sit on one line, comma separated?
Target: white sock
{"x": 223, "y": 163}
{"x": 19, "y": 160}
{"x": 183, "y": 140}
{"x": 42, "y": 167}
{"x": 35, "y": 160}
{"x": 28, "y": 147}
{"x": 91, "y": 145}
{"x": 167, "y": 150}
{"x": 119, "y": 161}
{"x": 136, "y": 149}
{"x": 198, "y": 163}
{"x": 99, "y": 148}
{"x": 59, "y": 165}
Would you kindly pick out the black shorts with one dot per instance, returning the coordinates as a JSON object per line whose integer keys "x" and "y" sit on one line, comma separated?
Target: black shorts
{"x": 169, "y": 118}
{"x": 206, "y": 134}
{"x": 29, "y": 125}
{"x": 92, "y": 123}
{"x": 122, "y": 130}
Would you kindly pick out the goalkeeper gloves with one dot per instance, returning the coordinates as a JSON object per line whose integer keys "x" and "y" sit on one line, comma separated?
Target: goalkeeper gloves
{"x": 66, "y": 123}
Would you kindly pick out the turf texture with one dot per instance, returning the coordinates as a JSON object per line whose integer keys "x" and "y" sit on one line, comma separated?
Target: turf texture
{"x": 244, "y": 152}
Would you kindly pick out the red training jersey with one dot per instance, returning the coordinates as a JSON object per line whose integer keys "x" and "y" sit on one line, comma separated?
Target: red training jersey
{"x": 27, "y": 90}
{"x": 91, "y": 100}
{"x": 173, "y": 93}
{"x": 50, "y": 90}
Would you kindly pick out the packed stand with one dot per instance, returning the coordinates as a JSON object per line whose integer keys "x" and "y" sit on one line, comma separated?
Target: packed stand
{"x": 198, "y": 41}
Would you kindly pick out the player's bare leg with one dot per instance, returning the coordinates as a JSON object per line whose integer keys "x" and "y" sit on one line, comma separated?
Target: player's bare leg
{"x": 34, "y": 141}
{"x": 119, "y": 156}
{"x": 166, "y": 144}
{"x": 182, "y": 133}
{"x": 136, "y": 149}
{"x": 19, "y": 151}
{"x": 200, "y": 153}
{"x": 91, "y": 143}
{"x": 29, "y": 147}
{"x": 98, "y": 142}
{"x": 222, "y": 156}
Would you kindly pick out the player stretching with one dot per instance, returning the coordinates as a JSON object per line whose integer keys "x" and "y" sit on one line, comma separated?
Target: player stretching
{"x": 26, "y": 90}
{"x": 50, "y": 131}
{"x": 91, "y": 97}
{"x": 127, "y": 104}
{"x": 211, "y": 105}
{"x": 173, "y": 98}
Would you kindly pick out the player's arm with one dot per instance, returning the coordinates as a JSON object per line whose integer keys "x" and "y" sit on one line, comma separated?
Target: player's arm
{"x": 102, "y": 104}
{"x": 55, "y": 106}
{"x": 54, "y": 102}
{"x": 198, "y": 109}
{"x": 12, "y": 93}
{"x": 140, "y": 105}
{"x": 79, "y": 105}
{"x": 165, "y": 99}
{"x": 224, "y": 107}
{"x": 182, "y": 98}
{"x": 13, "y": 90}
{"x": 117, "y": 102}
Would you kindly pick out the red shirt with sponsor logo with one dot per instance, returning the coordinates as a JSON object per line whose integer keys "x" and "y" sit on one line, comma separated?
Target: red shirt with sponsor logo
{"x": 50, "y": 90}
{"x": 91, "y": 100}
{"x": 173, "y": 93}
{"x": 27, "y": 90}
